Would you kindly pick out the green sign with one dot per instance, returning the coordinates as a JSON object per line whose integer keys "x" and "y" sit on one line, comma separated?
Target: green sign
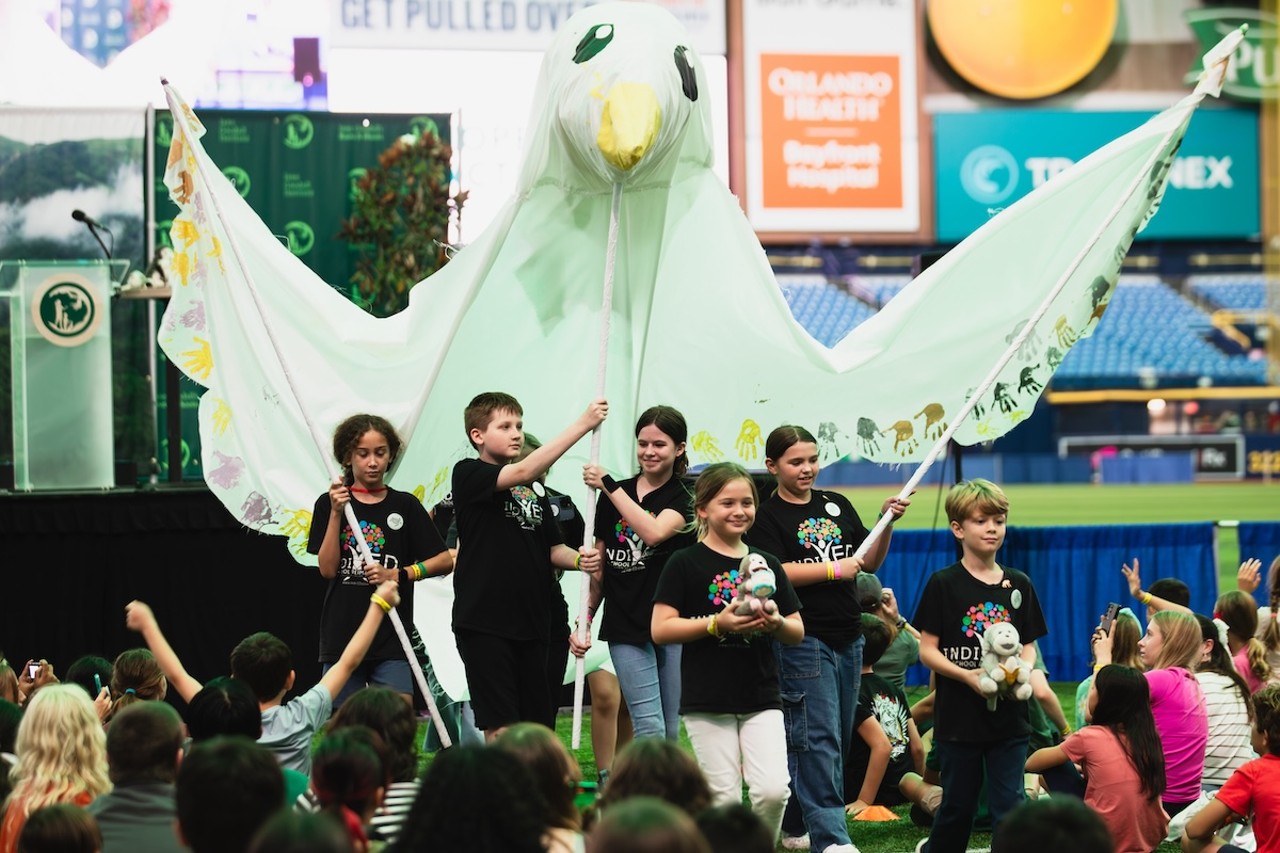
{"x": 297, "y": 170}
{"x": 1255, "y": 68}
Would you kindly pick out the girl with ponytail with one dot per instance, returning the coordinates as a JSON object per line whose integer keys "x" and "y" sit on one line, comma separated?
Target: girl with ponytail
{"x": 1239, "y": 611}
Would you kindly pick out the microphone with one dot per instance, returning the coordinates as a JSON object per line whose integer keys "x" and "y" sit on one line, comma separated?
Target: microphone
{"x": 94, "y": 226}
{"x": 80, "y": 216}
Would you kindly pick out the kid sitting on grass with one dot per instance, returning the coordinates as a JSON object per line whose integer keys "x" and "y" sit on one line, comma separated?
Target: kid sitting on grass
{"x": 265, "y": 663}
{"x": 1254, "y": 789}
{"x": 888, "y": 745}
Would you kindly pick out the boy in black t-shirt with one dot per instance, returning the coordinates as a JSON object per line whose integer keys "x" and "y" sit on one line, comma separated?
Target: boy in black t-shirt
{"x": 957, "y": 605}
{"x": 509, "y": 547}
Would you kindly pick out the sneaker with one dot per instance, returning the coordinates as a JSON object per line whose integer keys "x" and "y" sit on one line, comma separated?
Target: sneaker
{"x": 921, "y": 844}
{"x": 796, "y": 842}
{"x": 841, "y": 848}
{"x": 920, "y": 817}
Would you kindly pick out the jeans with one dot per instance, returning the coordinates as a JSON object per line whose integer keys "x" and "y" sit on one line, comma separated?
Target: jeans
{"x": 731, "y": 747}
{"x": 649, "y": 677}
{"x": 819, "y": 696}
{"x": 961, "y": 766}
{"x": 386, "y": 673}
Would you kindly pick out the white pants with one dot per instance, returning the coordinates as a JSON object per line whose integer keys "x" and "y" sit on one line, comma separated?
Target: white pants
{"x": 729, "y": 747}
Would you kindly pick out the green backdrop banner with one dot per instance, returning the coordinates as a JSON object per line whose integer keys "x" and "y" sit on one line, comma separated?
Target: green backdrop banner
{"x": 298, "y": 172}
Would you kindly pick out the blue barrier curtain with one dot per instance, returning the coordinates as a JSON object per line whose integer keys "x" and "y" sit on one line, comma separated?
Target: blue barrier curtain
{"x": 1076, "y": 572}
{"x": 1259, "y": 540}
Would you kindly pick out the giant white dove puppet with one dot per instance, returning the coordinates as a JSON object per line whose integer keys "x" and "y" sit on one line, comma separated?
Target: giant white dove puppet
{"x": 696, "y": 321}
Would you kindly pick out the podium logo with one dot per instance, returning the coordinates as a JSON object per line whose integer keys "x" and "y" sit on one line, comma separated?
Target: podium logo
{"x": 302, "y": 238}
{"x": 65, "y": 310}
{"x": 298, "y": 131}
{"x": 989, "y": 174}
{"x": 239, "y": 179}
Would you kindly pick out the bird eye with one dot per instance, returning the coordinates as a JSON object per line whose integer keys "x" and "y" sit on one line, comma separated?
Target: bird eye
{"x": 596, "y": 39}
{"x": 688, "y": 79}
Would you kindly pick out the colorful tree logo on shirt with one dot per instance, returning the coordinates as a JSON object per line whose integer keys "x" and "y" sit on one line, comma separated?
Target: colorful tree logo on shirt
{"x": 723, "y": 587}
{"x": 819, "y": 534}
{"x": 637, "y": 549}
{"x": 526, "y": 510}
{"x": 980, "y": 616}
{"x": 373, "y": 534}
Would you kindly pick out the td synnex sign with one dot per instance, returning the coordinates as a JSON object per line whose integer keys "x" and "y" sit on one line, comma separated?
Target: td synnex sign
{"x": 988, "y": 160}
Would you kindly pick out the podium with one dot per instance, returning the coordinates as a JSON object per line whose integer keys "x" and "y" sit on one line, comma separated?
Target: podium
{"x": 60, "y": 353}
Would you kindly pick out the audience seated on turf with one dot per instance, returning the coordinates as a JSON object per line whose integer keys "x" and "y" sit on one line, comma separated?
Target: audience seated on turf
{"x": 734, "y": 828}
{"x": 144, "y": 748}
{"x": 657, "y": 767}
{"x": 385, "y": 711}
{"x": 227, "y": 789}
{"x": 556, "y": 776}
{"x": 265, "y": 663}
{"x": 646, "y": 825}
{"x": 60, "y": 828}
{"x": 474, "y": 798}
{"x": 62, "y": 758}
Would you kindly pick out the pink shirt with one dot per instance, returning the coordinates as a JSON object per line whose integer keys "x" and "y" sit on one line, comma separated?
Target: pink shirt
{"x": 1241, "y": 659}
{"x": 1112, "y": 787}
{"x": 1183, "y": 726}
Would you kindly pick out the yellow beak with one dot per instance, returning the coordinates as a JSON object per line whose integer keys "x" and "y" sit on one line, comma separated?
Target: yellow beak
{"x": 629, "y": 124}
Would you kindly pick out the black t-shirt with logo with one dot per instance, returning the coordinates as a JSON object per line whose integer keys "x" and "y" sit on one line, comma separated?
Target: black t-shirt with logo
{"x": 888, "y": 705}
{"x": 737, "y": 673}
{"x": 956, "y": 608}
{"x": 632, "y": 568}
{"x": 503, "y": 579}
{"x": 827, "y": 528}
{"x": 399, "y": 532}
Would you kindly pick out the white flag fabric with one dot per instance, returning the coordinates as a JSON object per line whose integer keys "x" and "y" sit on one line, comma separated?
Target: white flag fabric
{"x": 697, "y": 322}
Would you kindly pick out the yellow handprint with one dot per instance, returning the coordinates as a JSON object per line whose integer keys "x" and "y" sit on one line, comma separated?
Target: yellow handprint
{"x": 181, "y": 264}
{"x": 420, "y": 492}
{"x": 221, "y": 416}
{"x": 748, "y": 440}
{"x": 297, "y": 524}
{"x": 185, "y": 230}
{"x": 199, "y": 361}
{"x": 705, "y": 445}
{"x": 439, "y": 481}
{"x": 216, "y": 252}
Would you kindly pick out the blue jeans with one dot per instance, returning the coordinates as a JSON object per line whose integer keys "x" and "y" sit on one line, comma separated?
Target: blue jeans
{"x": 819, "y": 696}
{"x": 960, "y": 766}
{"x": 384, "y": 673}
{"x": 649, "y": 677}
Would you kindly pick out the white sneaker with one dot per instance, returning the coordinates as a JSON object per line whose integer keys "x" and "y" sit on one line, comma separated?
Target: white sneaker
{"x": 921, "y": 843}
{"x": 841, "y": 848}
{"x": 796, "y": 842}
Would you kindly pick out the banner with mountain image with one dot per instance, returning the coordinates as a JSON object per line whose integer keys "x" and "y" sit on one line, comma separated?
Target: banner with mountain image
{"x": 53, "y": 162}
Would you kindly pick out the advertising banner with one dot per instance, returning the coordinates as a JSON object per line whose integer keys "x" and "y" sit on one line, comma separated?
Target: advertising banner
{"x": 831, "y": 116}
{"x": 493, "y": 24}
{"x": 985, "y": 161}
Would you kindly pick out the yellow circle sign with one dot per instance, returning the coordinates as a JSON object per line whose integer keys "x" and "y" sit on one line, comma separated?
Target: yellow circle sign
{"x": 1019, "y": 49}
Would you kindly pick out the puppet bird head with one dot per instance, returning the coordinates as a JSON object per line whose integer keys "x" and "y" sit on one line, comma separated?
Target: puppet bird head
{"x": 626, "y": 95}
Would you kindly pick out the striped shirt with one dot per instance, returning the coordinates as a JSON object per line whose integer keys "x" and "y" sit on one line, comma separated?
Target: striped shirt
{"x": 1228, "y": 746}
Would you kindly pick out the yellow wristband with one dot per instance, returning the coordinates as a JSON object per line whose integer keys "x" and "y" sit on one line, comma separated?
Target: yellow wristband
{"x": 577, "y": 561}
{"x": 1144, "y": 597}
{"x": 381, "y": 602}
{"x": 712, "y": 628}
